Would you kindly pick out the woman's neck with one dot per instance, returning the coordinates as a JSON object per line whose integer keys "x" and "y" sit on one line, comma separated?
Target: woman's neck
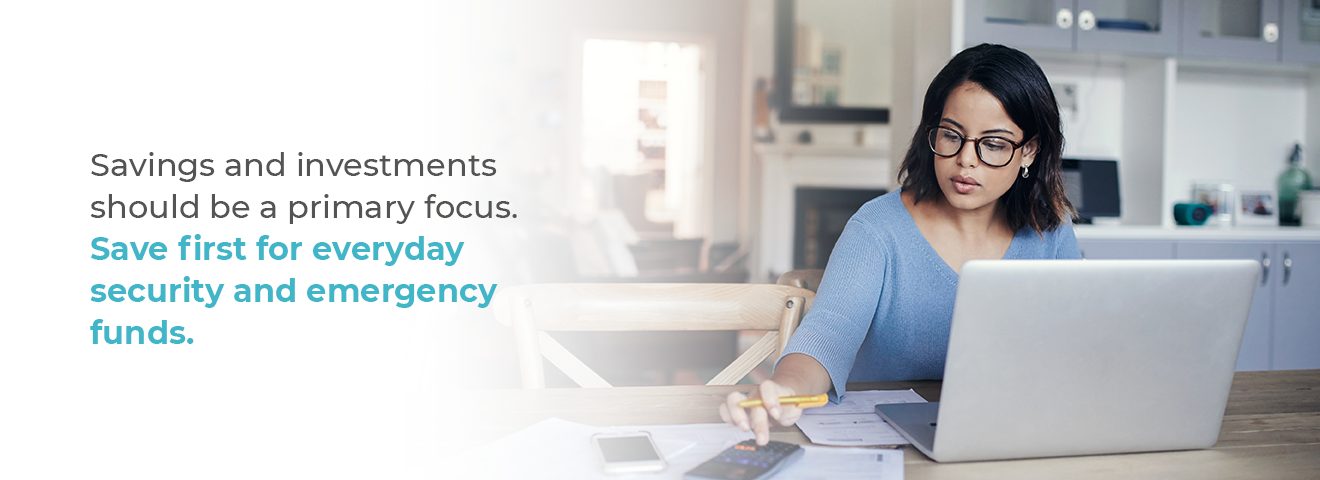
{"x": 969, "y": 224}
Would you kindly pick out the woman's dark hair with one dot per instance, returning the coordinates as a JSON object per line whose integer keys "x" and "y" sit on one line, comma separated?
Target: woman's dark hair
{"x": 1014, "y": 78}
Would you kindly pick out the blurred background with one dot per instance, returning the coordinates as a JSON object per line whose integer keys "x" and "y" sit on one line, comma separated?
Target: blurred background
{"x": 729, "y": 141}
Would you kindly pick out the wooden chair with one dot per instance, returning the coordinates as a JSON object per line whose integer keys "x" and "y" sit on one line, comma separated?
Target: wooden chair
{"x": 807, "y": 278}
{"x": 533, "y": 310}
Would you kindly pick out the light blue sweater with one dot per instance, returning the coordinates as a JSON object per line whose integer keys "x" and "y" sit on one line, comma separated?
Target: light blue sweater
{"x": 883, "y": 311}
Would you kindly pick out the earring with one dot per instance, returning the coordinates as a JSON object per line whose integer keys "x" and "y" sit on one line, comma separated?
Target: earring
{"x": 1024, "y": 171}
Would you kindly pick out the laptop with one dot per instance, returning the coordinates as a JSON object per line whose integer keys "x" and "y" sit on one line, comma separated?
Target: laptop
{"x": 1065, "y": 357}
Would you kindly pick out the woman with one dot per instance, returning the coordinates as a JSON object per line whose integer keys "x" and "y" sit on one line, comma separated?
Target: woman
{"x": 981, "y": 180}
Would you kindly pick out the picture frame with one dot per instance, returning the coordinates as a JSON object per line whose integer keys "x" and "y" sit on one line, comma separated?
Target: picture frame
{"x": 1256, "y": 207}
{"x": 1221, "y": 197}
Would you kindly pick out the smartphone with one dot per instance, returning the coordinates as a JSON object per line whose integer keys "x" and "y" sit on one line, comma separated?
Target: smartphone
{"x": 631, "y": 452}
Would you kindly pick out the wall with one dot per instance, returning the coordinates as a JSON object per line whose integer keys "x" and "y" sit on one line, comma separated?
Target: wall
{"x": 1234, "y": 126}
{"x": 923, "y": 43}
{"x": 1094, "y": 127}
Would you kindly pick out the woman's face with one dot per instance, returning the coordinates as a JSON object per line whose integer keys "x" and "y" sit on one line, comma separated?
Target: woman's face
{"x": 967, "y": 182}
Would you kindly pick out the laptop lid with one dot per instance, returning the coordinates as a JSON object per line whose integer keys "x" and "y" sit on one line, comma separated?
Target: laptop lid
{"x": 1052, "y": 358}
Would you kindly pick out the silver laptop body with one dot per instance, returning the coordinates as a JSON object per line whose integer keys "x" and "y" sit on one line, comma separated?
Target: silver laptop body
{"x": 1064, "y": 357}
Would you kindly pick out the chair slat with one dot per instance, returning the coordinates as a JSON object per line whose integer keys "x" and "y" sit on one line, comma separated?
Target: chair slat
{"x": 658, "y": 307}
{"x": 533, "y": 310}
{"x": 744, "y": 364}
{"x": 570, "y": 364}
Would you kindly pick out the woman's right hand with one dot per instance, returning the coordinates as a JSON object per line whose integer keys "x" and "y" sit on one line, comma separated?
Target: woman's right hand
{"x": 757, "y": 419}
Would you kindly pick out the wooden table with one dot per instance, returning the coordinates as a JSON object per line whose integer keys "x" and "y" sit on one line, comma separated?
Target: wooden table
{"x": 1271, "y": 429}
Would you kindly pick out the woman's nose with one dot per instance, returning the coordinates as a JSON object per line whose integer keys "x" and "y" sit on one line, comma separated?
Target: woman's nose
{"x": 967, "y": 156}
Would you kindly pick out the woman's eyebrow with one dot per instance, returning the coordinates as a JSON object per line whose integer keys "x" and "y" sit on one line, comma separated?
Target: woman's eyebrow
{"x": 999, "y": 130}
{"x": 987, "y": 132}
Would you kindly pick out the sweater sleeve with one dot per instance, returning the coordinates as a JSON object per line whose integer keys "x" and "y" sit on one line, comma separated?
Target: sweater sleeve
{"x": 845, "y": 304}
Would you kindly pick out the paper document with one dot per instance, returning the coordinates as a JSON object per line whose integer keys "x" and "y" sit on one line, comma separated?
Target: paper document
{"x": 849, "y": 429}
{"x": 853, "y": 421}
{"x": 865, "y": 401}
{"x": 833, "y": 463}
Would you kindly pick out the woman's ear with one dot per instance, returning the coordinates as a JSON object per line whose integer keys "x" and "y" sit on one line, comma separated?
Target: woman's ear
{"x": 1029, "y": 152}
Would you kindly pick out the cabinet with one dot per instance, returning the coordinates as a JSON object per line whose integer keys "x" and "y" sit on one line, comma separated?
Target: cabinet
{"x": 1130, "y": 26}
{"x": 1253, "y": 30}
{"x": 1258, "y": 30}
{"x": 1283, "y": 326}
{"x": 1296, "y": 306}
{"x": 1122, "y": 26}
{"x": 1021, "y": 23}
{"x": 1300, "y": 32}
{"x": 1283, "y": 331}
{"x": 1289, "y": 297}
{"x": 1232, "y": 29}
{"x": 1257, "y": 339}
{"x": 1126, "y": 249}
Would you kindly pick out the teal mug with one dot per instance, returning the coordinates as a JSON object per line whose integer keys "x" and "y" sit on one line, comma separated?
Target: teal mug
{"x": 1191, "y": 213}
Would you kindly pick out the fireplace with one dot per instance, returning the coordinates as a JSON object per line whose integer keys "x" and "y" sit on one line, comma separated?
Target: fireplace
{"x": 806, "y": 195}
{"x": 819, "y": 217}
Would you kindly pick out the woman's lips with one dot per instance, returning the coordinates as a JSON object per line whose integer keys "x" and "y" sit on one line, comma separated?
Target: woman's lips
{"x": 965, "y": 185}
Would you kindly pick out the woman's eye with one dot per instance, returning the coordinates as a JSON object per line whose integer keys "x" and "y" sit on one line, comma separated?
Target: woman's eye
{"x": 949, "y": 136}
{"x": 994, "y": 144}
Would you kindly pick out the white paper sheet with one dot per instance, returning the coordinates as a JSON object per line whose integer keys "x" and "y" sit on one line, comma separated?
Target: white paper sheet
{"x": 832, "y": 463}
{"x": 849, "y": 430}
{"x": 853, "y": 421}
{"x": 865, "y": 401}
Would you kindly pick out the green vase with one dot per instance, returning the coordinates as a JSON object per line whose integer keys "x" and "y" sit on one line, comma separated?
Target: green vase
{"x": 1293, "y": 180}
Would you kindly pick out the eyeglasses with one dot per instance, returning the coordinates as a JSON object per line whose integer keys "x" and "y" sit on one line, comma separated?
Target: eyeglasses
{"x": 993, "y": 151}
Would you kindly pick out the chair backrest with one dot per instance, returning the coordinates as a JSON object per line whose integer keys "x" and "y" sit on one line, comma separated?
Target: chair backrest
{"x": 806, "y": 278}
{"x": 533, "y": 310}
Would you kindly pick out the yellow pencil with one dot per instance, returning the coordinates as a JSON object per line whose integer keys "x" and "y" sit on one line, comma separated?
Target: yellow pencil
{"x": 800, "y": 401}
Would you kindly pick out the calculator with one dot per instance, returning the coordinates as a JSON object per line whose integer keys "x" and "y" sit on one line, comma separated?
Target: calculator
{"x": 747, "y": 461}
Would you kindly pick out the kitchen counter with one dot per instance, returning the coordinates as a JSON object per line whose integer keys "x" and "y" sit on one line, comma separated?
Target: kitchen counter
{"x": 1270, "y": 234}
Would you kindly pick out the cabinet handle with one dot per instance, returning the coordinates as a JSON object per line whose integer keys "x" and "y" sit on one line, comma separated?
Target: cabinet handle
{"x": 1287, "y": 267}
{"x": 1086, "y": 20}
{"x": 1270, "y": 33}
{"x": 1265, "y": 262}
{"x": 1064, "y": 18}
